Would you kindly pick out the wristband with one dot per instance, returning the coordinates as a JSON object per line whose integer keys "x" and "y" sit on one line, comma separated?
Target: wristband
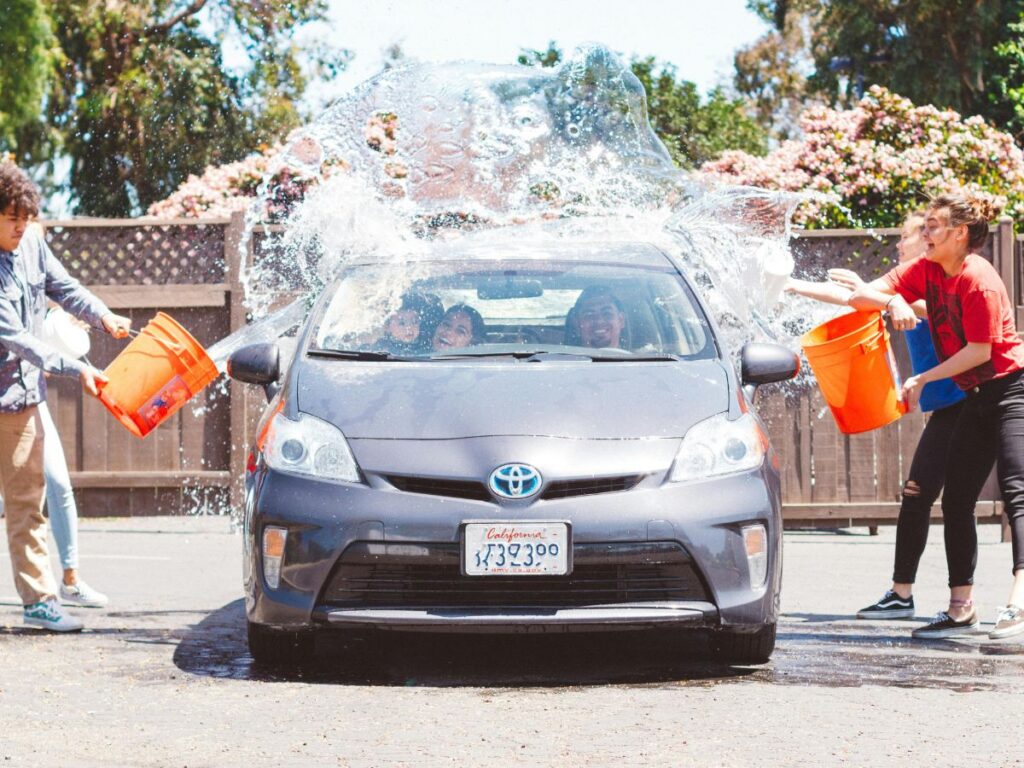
{"x": 891, "y": 299}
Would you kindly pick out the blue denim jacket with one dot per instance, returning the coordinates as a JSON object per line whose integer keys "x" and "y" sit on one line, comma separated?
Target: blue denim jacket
{"x": 28, "y": 276}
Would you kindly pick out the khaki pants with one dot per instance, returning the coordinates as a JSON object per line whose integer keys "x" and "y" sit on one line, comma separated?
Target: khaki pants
{"x": 21, "y": 475}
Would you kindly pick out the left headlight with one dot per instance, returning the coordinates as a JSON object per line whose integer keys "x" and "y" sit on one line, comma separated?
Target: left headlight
{"x": 309, "y": 446}
{"x": 717, "y": 446}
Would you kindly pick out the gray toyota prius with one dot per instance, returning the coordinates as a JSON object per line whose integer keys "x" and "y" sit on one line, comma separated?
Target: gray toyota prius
{"x": 509, "y": 436}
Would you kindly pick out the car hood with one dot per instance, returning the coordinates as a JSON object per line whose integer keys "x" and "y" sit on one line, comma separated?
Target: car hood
{"x": 442, "y": 400}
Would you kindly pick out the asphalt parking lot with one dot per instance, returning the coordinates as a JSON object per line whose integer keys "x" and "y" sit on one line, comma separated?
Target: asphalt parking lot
{"x": 162, "y": 677}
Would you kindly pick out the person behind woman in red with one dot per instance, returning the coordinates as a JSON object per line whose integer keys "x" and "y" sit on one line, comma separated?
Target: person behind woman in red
{"x": 976, "y": 340}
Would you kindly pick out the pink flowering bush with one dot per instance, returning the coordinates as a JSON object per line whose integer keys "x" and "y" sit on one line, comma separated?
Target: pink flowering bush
{"x": 381, "y": 132}
{"x": 219, "y": 192}
{"x": 876, "y": 162}
{"x": 225, "y": 189}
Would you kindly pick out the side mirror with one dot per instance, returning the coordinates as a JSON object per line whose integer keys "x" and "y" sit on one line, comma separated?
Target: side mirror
{"x": 257, "y": 364}
{"x": 766, "y": 363}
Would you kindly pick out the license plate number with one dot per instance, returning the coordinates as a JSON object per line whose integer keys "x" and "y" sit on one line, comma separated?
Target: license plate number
{"x": 516, "y": 549}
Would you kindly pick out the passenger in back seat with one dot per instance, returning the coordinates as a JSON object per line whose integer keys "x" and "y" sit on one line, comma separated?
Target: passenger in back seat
{"x": 410, "y": 329}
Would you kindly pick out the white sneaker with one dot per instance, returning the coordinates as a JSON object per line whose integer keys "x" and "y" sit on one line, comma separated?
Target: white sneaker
{"x": 49, "y": 615}
{"x": 82, "y": 594}
{"x": 1009, "y": 622}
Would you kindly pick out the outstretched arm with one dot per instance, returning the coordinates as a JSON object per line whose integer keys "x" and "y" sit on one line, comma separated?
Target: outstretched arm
{"x": 830, "y": 293}
{"x": 879, "y": 296}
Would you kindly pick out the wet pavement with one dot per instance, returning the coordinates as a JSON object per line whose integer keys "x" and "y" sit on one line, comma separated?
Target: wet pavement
{"x": 166, "y": 672}
{"x": 833, "y": 651}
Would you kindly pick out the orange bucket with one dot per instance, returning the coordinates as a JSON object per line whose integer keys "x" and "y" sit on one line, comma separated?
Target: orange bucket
{"x": 156, "y": 374}
{"x": 853, "y": 362}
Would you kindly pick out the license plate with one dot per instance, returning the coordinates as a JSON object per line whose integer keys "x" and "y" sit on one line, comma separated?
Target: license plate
{"x": 516, "y": 549}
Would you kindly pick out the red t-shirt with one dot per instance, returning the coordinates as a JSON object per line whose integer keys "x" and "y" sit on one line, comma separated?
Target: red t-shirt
{"x": 969, "y": 307}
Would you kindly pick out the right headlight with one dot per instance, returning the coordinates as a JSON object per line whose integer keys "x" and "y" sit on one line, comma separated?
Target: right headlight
{"x": 309, "y": 446}
{"x": 718, "y": 446}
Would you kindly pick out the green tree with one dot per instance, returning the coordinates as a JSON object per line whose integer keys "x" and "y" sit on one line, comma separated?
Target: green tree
{"x": 694, "y": 132}
{"x": 140, "y": 95}
{"x": 772, "y": 72}
{"x": 1007, "y": 94}
{"x": 942, "y": 52}
{"x": 28, "y": 58}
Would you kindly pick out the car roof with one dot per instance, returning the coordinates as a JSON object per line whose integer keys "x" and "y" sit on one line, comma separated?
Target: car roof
{"x": 638, "y": 254}
{"x": 527, "y": 243}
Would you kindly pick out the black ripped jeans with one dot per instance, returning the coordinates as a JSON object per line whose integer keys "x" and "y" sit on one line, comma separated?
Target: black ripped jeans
{"x": 990, "y": 428}
{"x": 923, "y": 486}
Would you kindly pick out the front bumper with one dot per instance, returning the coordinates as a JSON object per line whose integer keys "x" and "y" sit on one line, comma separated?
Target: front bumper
{"x": 327, "y": 522}
{"x": 577, "y": 619}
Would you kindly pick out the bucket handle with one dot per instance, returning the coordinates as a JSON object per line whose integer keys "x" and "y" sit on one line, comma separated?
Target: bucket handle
{"x": 871, "y": 345}
{"x": 169, "y": 345}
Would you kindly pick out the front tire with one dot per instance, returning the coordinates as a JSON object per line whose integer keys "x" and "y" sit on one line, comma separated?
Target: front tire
{"x": 279, "y": 647}
{"x": 744, "y": 648}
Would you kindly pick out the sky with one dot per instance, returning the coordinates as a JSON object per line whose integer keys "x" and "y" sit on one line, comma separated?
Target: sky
{"x": 698, "y": 36}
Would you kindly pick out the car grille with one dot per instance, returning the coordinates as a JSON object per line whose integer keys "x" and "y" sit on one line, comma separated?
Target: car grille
{"x": 562, "y": 489}
{"x": 381, "y": 574}
{"x": 458, "y": 489}
{"x": 471, "y": 489}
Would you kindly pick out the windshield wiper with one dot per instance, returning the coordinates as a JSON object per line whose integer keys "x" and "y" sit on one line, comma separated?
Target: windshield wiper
{"x": 647, "y": 357}
{"x": 354, "y": 354}
{"x": 517, "y": 354}
{"x": 543, "y": 354}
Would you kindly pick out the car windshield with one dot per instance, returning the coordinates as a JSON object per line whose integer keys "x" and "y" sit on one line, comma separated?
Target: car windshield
{"x": 496, "y": 308}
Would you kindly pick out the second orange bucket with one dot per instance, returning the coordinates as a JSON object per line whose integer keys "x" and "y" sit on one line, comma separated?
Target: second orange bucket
{"x": 156, "y": 374}
{"x": 855, "y": 368}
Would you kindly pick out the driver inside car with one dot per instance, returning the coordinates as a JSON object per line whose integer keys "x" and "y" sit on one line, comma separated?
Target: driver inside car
{"x": 600, "y": 317}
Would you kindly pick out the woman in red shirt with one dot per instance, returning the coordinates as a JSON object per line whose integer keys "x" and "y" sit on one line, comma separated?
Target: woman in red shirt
{"x": 976, "y": 341}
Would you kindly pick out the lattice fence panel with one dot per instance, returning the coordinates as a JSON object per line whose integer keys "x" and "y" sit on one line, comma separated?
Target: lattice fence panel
{"x": 869, "y": 255}
{"x": 144, "y": 254}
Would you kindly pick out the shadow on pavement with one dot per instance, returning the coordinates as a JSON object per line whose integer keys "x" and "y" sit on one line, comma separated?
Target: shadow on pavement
{"x": 217, "y": 647}
{"x": 154, "y": 636}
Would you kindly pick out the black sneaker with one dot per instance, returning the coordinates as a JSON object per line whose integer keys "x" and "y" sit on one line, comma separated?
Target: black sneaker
{"x": 891, "y": 606}
{"x": 942, "y": 625}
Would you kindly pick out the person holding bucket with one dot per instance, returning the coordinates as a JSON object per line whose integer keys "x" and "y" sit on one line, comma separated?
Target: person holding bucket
{"x": 29, "y": 274}
{"x": 927, "y": 468}
{"x": 975, "y": 336}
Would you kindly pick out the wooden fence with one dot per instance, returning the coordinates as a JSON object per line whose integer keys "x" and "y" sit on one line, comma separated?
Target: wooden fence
{"x": 191, "y": 270}
{"x": 194, "y": 462}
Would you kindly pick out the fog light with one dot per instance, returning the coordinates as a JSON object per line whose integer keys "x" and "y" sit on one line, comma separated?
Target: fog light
{"x": 755, "y": 541}
{"x": 273, "y": 553}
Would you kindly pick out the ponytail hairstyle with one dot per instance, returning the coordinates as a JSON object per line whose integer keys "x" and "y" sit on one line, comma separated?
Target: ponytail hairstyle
{"x": 971, "y": 210}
